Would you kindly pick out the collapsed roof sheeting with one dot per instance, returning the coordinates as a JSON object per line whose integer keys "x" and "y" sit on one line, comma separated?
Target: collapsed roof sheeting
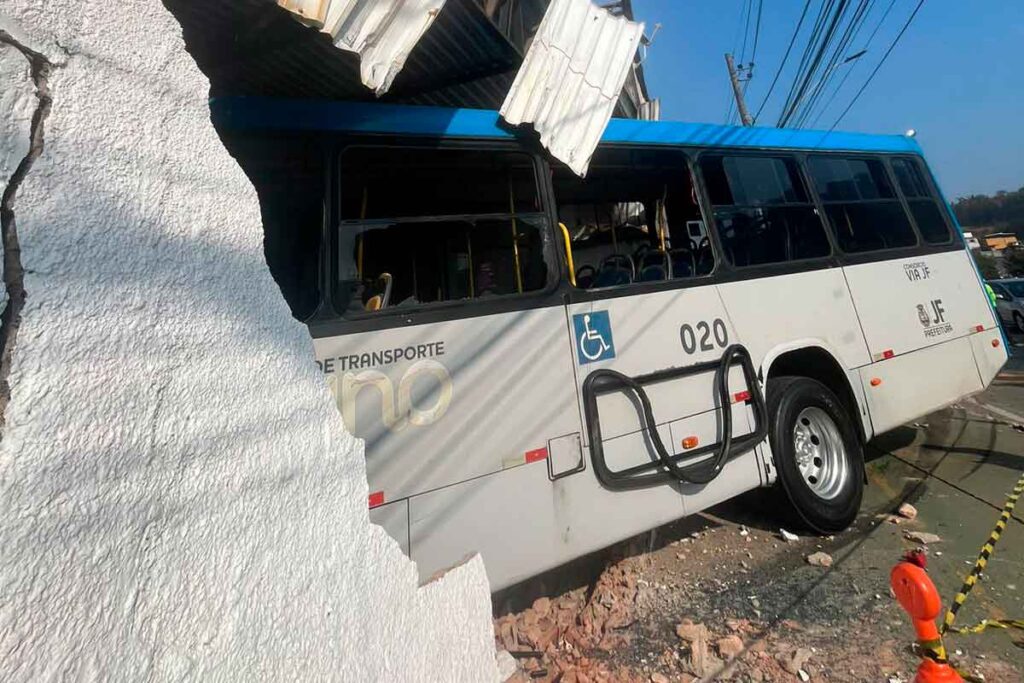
{"x": 571, "y": 78}
{"x": 381, "y": 32}
{"x": 254, "y": 47}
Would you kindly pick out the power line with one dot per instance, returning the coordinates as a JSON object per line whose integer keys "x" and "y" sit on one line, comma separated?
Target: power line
{"x": 757, "y": 34}
{"x": 746, "y": 30}
{"x": 815, "y": 63}
{"x": 835, "y": 61}
{"x": 785, "y": 57}
{"x": 819, "y": 23}
{"x": 839, "y": 88}
{"x": 877, "y": 68}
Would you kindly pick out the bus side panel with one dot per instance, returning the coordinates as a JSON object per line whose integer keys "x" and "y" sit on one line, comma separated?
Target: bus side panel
{"x": 522, "y": 523}
{"x": 653, "y": 332}
{"x": 906, "y": 387}
{"x": 912, "y": 303}
{"x": 990, "y": 354}
{"x": 464, "y": 398}
{"x": 816, "y": 305}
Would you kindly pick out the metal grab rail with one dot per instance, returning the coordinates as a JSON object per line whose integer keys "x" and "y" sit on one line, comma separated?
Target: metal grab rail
{"x": 568, "y": 253}
{"x": 673, "y": 467}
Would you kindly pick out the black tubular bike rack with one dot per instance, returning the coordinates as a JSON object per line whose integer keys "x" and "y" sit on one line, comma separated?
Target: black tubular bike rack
{"x": 674, "y": 467}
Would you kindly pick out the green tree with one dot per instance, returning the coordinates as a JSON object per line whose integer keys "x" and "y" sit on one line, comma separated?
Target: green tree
{"x": 1013, "y": 261}
{"x": 986, "y": 265}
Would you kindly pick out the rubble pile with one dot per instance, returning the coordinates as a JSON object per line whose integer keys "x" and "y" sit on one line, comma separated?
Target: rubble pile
{"x": 550, "y": 637}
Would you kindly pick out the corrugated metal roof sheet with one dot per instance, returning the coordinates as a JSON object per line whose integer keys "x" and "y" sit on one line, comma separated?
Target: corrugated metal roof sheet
{"x": 571, "y": 78}
{"x": 381, "y": 32}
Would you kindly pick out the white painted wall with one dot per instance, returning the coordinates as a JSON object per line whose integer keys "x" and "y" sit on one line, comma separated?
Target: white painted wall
{"x": 178, "y": 496}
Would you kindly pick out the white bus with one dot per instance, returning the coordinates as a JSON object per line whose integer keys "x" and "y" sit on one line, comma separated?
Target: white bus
{"x": 543, "y": 365}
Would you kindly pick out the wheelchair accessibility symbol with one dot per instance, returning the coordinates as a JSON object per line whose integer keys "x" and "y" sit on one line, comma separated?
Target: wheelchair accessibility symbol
{"x": 593, "y": 337}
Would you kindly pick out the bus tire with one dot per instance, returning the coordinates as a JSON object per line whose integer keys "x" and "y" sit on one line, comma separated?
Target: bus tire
{"x": 817, "y": 454}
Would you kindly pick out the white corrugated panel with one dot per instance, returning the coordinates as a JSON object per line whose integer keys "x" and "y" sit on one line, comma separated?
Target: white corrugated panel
{"x": 382, "y": 32}
{"x": 571, "y": 78}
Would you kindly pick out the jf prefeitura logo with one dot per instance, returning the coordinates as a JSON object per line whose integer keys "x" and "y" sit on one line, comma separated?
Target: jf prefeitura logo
{"x": 932, "y": 317}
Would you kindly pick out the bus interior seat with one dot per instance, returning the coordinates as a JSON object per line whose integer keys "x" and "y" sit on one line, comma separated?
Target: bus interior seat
{"x": 654, "y": 266}
{"x": 616, "y": 269}
{"x": 682, "y": 262}
{"x": 705, "y": 257}
{"x": 585, "y": 275}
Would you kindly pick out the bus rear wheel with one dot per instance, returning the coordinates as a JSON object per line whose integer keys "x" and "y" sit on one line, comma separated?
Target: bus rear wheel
{"x": 817, "y": 454}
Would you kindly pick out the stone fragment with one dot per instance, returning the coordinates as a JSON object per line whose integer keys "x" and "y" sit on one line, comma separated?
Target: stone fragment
{"x": 907, "y": 511}
{"x": 819, "y": 559}
{"x": 788, "y": 536}
{"x": 729, "y": 646}
{"x": 921, "y": 537}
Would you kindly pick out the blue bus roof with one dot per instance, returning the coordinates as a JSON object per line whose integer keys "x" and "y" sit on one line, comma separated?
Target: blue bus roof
{"x": 259, "y": 113}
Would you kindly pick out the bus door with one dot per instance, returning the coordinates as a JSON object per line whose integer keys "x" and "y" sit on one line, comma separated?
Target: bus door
{"x": 915, "y": 290}
{"x": 660, "y": 382}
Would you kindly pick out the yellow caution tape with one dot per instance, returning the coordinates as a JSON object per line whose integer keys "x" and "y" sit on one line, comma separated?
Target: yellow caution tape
{"x": 979, "y": 566}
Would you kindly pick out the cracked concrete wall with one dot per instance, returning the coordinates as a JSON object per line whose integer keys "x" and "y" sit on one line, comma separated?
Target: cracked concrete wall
{"x": 178, "y": 496}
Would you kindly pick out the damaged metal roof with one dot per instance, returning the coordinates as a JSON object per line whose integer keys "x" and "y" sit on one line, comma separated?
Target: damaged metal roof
{"x": 468, "y": 57}
{"x": 381, "y": 32}
{"x": 572, "y": 78}
{"x": 254, "y": 47}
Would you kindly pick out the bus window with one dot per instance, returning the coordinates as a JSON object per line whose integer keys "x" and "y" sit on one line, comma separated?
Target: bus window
{"x": 425, "y": 226}
{"x": 860, "y": 203}
{"x": 762, "y": 210}
{"x": 634, "y": 218}
{"x": 923, "y": 206}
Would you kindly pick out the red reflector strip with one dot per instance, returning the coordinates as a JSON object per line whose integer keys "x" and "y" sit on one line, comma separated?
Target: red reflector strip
{"x": 536, "y": 454}
{"x": 887, "y": 354}
{"x": 979, "y": 328}
{"x": 741, "y": 396}
{"x": 376, "y": 499}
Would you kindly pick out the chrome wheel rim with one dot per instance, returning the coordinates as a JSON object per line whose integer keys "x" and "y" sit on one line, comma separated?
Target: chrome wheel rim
{"x": 820, "y": 453}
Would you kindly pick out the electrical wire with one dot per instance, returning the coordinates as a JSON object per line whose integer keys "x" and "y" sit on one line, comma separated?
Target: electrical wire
{"x": 805, "y": 58}
{"x": 892, "y": 46}
{"x": 757, "y": 34}
{"x": 785, "y": 57}
{"x": 830, "y": 33}
{"x": 849, "y": 72}
{"x": 835, "y": 61}
{"x": 839, "y": 88}
{"x": 746, "y": 31}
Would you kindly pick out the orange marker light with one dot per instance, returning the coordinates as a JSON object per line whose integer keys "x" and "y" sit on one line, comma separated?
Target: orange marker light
{"x": 875, "y": 381}
{"x": 741, "y": 396}
{"x": 690, "y": 442}
{"x": 979, "y": 328}
{"x": 995, "y": 343}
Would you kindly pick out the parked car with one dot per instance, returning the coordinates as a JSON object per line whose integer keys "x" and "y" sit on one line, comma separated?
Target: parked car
{"x": 1010, "y": 301}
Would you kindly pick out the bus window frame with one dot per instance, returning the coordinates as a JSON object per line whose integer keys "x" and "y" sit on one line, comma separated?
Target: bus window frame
{"x": 687, "y": 154}
{"x": 434, "y": 311}
{"x": 922, "y": 248}
{"x": 933, "y": 194}
{"x": 779, "y": 267}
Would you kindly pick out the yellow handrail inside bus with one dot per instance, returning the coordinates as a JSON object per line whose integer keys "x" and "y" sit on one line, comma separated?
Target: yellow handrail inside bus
{"x": 515, "y": 236}
{"x": 568, "y": 253}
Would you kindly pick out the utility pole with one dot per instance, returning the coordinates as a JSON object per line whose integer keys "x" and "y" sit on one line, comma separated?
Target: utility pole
{"x": 741, "y": 106}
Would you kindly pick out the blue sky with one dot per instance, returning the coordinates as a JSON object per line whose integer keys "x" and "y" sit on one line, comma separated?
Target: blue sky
{"x": 957, "y": 77}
